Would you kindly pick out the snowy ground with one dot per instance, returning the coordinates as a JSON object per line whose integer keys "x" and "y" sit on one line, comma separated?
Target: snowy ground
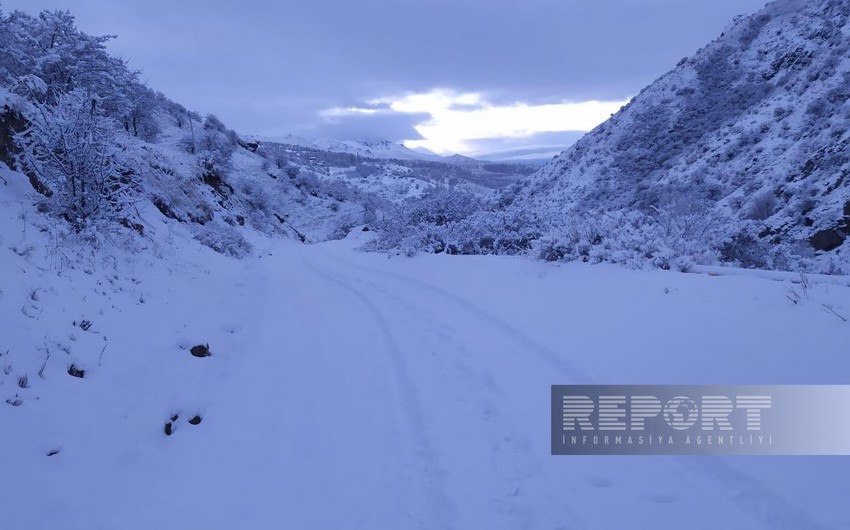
{"x": 348, "y": 390}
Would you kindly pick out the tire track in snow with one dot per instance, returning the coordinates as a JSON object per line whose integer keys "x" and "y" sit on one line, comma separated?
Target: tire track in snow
{"x": 517, "y": 509}
{"x": 553, "y": 358}
{"x": 441, "y": 508}
{"x": 749, "y": 494}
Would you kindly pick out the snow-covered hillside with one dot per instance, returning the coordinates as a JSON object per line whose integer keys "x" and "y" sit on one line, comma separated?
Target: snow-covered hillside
{"x": 346, "y": 390}
{"x": 380, "y": 172}
{"x": 740, "y": 154}
{"x": 106, "y": 154}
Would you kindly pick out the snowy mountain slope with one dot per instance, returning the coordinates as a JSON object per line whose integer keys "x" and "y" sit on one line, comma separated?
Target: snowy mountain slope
{"x": 101, "y": 148}
{"x": 750, "y": 135}
{"x": 359, "y": 392}
{"x": 250, "y": 191}
{"x": 214, "y": 202}
{"x": 383, "y": 149}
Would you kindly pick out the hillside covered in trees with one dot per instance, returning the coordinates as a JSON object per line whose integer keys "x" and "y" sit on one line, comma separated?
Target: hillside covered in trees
{"x": 740, "y": 155}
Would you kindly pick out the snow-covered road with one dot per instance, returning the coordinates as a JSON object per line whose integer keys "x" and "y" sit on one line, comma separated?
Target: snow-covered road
{"x": 348, "y": 390}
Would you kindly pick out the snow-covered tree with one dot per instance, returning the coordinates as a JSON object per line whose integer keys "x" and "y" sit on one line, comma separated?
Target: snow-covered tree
{"x": 139, "y": 119}
{"x": 71, "y": 147}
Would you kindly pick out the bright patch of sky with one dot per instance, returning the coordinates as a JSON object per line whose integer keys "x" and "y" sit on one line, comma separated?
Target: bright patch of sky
{"x": 457, "y": 121}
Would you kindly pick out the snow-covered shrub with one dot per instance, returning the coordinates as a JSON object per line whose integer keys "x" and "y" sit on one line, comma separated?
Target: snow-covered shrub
{"x": 762, "y": 206}
{"x": 437, "y": 222}
{"x": 213, "y": 144}
{"x": 343, "y": 226}
{"x": 496, "y": 231}
{"x": 686, "y": 224}
{"x": 224, "y": 239}
{"x": 214, "y": 150}
{"x": 748, "y": 248}
{"x": 212, "y": 123}
{"x": 670, "y": 227}
{"x": 444, "y": 207}
{"x": 307, "y": 181}
{"x": 72, "y": 148}
{"x": 254, "y": 195}
{"x": 666, "y": 240}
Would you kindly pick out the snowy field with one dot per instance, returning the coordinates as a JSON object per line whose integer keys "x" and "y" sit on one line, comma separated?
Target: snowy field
{"x": 349, "y": 390}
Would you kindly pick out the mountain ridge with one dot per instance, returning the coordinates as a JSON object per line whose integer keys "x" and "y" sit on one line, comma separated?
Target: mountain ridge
{"x": 752, "y": 129}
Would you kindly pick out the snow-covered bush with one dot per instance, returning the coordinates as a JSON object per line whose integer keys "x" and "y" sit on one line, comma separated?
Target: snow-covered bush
{"x": 762, "y": 206}
{"x": 214, "y": 151}
{"x": 455, "y": 221}
{"x": 306, "y": 181}
{"x": 343, "y": 226}
{"x": 224, "y": 239}
{"x": 670, "y": 238}
{"x": 432, "y": 223}
{"x": 71, "y": 147}
{"x": 497, "y": 231}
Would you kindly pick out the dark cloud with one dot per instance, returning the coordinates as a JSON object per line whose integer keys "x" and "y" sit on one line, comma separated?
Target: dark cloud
{"x": 269, "y": 66}
{"x": 388, "y": 125}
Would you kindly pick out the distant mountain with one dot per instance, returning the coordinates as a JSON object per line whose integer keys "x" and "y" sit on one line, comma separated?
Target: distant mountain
{"x": 379, "y": 149}
{"x": 740, "y": 154}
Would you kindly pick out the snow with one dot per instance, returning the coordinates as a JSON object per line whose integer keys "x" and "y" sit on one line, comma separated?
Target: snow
{"x": 349, "y": 390}
{"x": 772, "y": 275}
{"x": 382, "y": 150}
{"x": 352, "y": 390}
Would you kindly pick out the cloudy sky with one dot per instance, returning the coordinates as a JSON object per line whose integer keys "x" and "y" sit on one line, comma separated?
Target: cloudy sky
{"x": 496, "y": 78}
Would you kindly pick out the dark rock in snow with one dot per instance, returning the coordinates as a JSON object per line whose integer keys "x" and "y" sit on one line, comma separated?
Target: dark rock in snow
{"x": 827, "y": 240}
{"x": 201, "y": 350}
{"x": 169, "y": 425}
{"x": 165, "y": 210}
{"x": 73, "y": 371}
{"x": 217, "y": 183}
